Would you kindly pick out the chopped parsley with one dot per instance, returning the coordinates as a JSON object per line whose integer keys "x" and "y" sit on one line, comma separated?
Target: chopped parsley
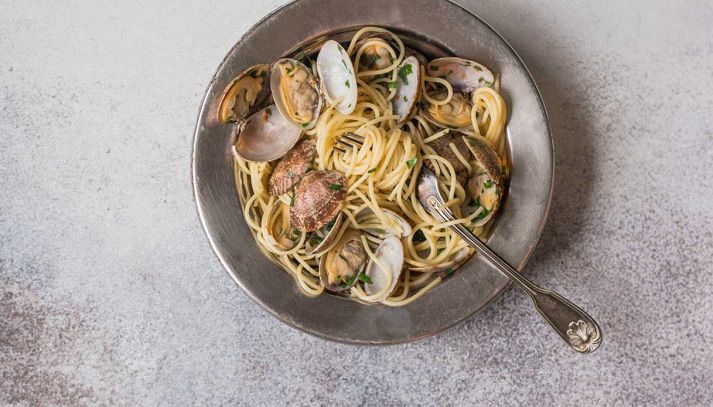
{"x": 446, "y": 75}
{"x": 296, "y": 234}
{"x": 434, "y": 67}
{"x": 474, "y": 203}
{"x": 364, "y": 278}
{"x": 336, "y": 187}
{"x": 405, "y": 99}
{"x": 477, "y": 68}
{"x": 347, "y": 84}
{"x": 404, "y": 72}
{"x": 305, "y": 125}
{"x": 392, "y": 84}
{"x": 371, "y": 59}
{"x": 289, "y": 71}
{"x": 483, "y": 214}
{"x": 488, "y": 183}
{"x": 269, "y": 111}
{"x": 292, "y": 200}
{"x": 373, "y": 170}
{"x": 315, "y": 240}
{"x": 410, "y": 163}
{"x": 346, "y": 283}
{"x": 330, "y": 225}
{"x": 345, "y": 65}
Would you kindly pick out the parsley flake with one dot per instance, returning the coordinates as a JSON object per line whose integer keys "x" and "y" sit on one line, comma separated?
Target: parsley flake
{"x": 347, "y": 84}
{"x": 410, "y": 163}
{"x": 404, "y": 72}
{"x": 371, "y": 171}
{"x": 336, "y": 187}
{"x": 392, "y": 84}
{"x": 488, "y": 183}
{"x": 292, "y": 200}
{"x": 434, "y": 67}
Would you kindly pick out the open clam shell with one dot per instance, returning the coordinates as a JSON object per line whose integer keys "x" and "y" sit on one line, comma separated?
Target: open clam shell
{"x": 337, "y": 78}
{"x": 319, "y": 197}
{"x": 295, "y": 92}
{"x": 245, "y": 94}
{"x": 453, "y": 115}
{"x": 397, "y": 226}
{"x": 385, "y": 272}
{"x": 408, "y": 89}
{"x": 485, "y": 187}
{"x": 331, "y": 231}
{"x": 464, "y": 75}
{"x": 339, "y": 268}
{"x": 266, "y": 136}
{"x": 376, "y": 54}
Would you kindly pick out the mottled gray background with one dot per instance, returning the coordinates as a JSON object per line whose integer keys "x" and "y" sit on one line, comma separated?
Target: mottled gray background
{"x": 110, "y": 294}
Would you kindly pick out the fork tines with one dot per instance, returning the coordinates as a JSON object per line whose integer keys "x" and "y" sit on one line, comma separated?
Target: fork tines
{"x": 348, "y": 141}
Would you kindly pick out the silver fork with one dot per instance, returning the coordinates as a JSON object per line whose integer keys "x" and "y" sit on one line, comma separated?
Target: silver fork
{"x": 347, "y": 141}
{"x": 575, "y": 326}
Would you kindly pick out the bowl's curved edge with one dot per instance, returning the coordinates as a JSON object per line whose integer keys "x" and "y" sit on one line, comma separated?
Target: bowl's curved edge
{"x": 226, "y": 266}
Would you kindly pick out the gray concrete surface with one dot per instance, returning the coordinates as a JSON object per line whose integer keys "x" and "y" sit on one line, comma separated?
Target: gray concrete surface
{"x": 110, "y": 294}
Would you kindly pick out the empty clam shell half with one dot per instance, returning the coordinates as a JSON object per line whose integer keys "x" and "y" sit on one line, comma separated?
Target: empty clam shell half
{"x": 293, "y": 166}
{"x": 337, "y": 78}
{"x": 408, "y": 89}
{"x": 385, "y": 272}
{"x": 244, "y": 95}
{"x": 295, "y": 92}
{"x": 266, "y": 136}
{"x": 464, "y": 75}
{"x": 318, "y": 199}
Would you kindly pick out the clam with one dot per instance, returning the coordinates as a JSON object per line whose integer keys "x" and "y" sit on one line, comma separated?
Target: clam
{"x": 266, "y": 136}
{"x": 329, "y": 232}
{"x": 398, "y": 226}
{"x": 339, "y": 269}
{"x": 376, "y": 55}
{"x": 453, "y": 115}
{"x": 295, "y": 92}
{"x": 245, "y": 95}
{"x": 485, "y": 186}
{"x": 318, "y": 199}
{"x": 442, "y": 147}
{"x": 458, "y": 258}
{"x": 337, "y": 79}
{"x": 464, "y": 75}
{"x": 408, "y": 88}
{"x": 385, "y": 272}
{"x": 293, "y": 166}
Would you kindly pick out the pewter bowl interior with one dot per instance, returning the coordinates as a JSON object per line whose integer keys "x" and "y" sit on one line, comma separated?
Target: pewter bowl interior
{"x": 436, "y": 28}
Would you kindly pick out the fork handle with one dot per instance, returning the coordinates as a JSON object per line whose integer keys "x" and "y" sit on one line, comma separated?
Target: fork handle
{"x": 576, "y": 327}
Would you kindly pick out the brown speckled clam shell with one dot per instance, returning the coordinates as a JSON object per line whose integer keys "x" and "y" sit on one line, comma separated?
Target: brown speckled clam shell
{"x": 293, "y": 166}
{"x": 316, "y": 204}
{"x": 486, "y": 157}
{"x": 441, "y": 147}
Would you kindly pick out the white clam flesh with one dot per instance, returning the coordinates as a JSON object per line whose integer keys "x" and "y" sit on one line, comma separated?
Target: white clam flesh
{"x": 295, "y": 92}
{"x": 266, "y": 136}
{"x": 453, "y": 115}
{"x": 337, "y": 78}
{"x": 244, "y": 95}
{"x": 384, "y": 273}
{"x": 408, "y": 88}
{"x": 464, "y": 75}
{"x": 339, "y": 269}
{"x": 485, "y": 185}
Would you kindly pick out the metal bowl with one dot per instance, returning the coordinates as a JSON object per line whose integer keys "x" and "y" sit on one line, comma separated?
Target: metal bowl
{"x": 435, "y": 27}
